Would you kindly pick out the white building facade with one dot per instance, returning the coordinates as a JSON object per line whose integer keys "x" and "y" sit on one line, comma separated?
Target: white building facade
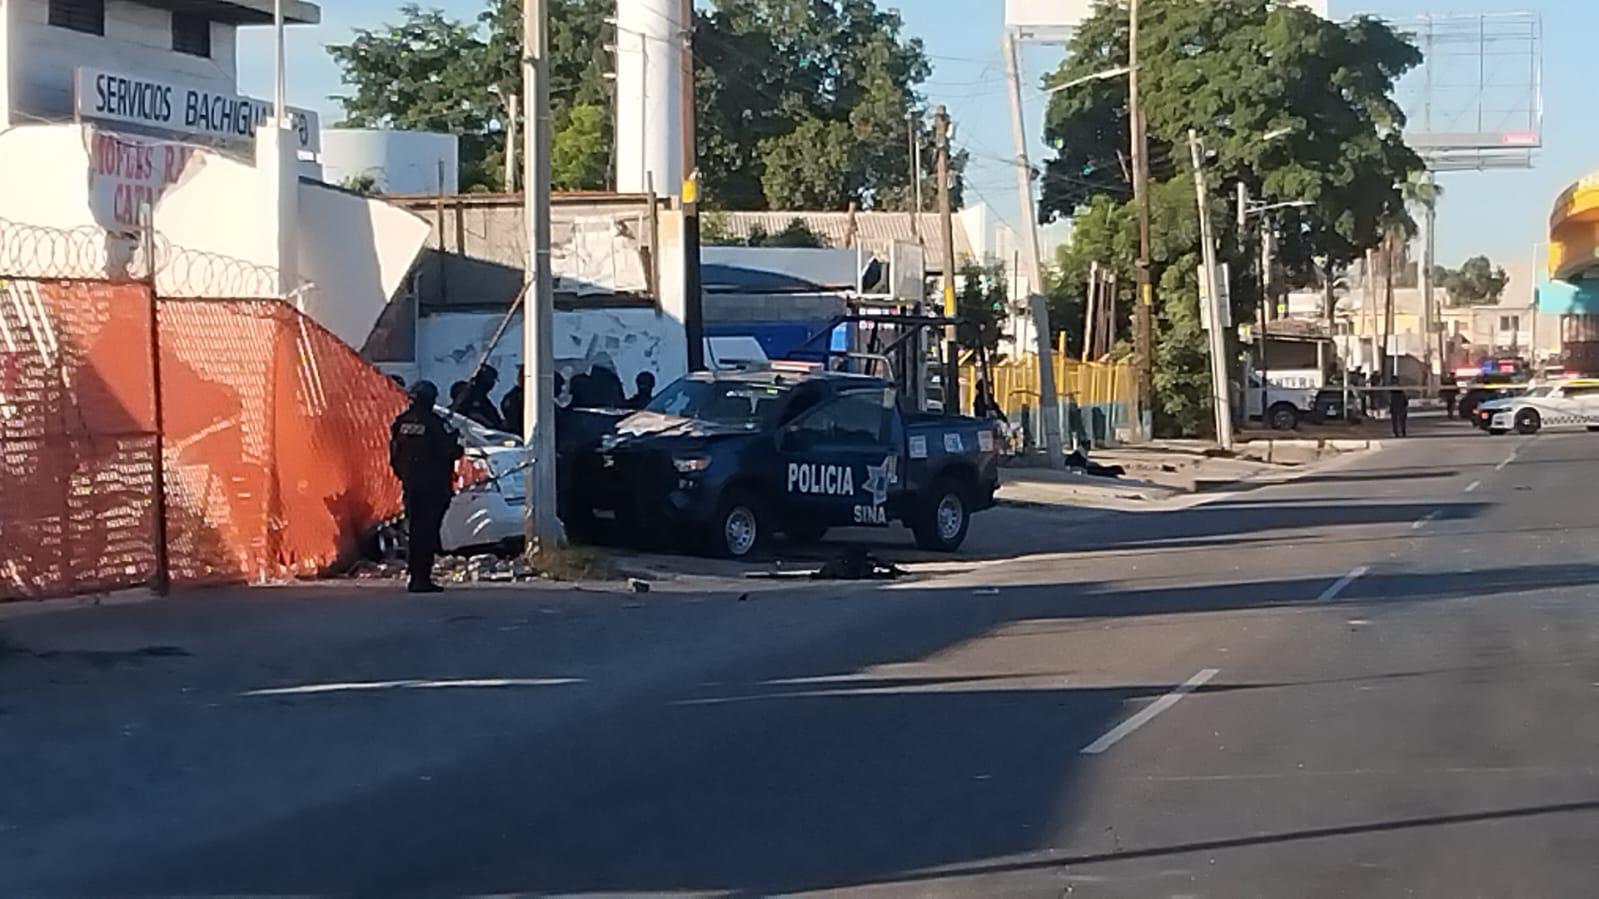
{"x": 115, "y": 115}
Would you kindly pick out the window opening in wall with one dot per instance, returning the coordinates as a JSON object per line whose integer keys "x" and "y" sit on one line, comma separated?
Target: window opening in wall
{"x": 191, "y": 34}
{"x": 87, "y": 16}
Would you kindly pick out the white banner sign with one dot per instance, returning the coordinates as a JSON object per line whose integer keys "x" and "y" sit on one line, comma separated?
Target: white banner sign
{"x": 183, "y": 108}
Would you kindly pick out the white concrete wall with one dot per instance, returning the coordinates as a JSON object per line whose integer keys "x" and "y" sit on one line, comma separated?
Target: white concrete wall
{"x": 652, "y": 339}
{"x": 209, "y": 212}
{"x": 449, "y": 345}
{"x": 138, "y": 38}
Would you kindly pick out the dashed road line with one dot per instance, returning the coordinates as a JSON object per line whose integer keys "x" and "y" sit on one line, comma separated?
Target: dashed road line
{"x": 1121, "y": 731}
{"x": 1426, "y": 519}
{"x": 1472, "y": 487}
{"x": 1508, "y": 459}
{"x": 1342, "y": 584}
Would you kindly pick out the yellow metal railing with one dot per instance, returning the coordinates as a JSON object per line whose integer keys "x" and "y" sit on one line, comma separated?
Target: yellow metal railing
{"x": 1015, "y": 383}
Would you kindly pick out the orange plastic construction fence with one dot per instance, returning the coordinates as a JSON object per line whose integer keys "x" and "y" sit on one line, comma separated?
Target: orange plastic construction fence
{"x": 276, "y": 441}
{"x": 77, "y": 439}
{"x": 274, "y": 435}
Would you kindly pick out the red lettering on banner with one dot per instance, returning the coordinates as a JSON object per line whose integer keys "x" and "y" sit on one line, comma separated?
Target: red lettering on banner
{"x": 131, "y": 175}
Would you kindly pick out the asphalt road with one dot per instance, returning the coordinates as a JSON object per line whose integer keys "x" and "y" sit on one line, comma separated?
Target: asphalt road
{"x": 1380, "y": 679}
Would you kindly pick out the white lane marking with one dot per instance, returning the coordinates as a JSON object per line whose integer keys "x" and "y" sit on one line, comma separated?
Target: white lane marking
{"x": 363, "y": 686}
{"x": 1508, "y": 459}
{"x": 1425, "y": 519}
{"x": 1119, "y": 732}
{"x": 1342, "y": 583}
{"x": 1472, "y": 487}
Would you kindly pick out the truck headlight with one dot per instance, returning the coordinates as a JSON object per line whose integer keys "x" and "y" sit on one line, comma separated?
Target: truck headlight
{"x": 691, "y": 464}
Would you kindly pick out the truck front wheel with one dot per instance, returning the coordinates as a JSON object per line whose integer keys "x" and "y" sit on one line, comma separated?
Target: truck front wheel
{"x": 739, "y": 528}
{"x": 943, "y": 520}
{"x": 1283, "y": 417}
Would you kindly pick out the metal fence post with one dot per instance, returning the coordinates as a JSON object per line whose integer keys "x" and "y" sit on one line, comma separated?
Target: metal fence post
{"x": 162, "y": 582}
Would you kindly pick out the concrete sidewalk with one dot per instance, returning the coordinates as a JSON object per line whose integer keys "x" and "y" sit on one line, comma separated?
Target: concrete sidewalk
{"x": 1167, "y": 470}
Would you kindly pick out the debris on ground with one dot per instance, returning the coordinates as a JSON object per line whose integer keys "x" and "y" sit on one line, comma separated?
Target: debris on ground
{"x": 856, "y": 564}
{"x": 638, "y": 585}
{"x": 1078, "y": 460}
{"x": 367, "y": 570}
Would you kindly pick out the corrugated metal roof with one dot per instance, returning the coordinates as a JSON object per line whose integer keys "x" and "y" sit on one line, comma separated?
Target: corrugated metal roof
{"x": 876, "y": 231}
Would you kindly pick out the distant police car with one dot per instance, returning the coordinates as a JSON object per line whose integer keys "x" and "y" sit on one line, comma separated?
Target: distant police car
{"x": 722, "y": 460}
{"x": 1570, "y": 405}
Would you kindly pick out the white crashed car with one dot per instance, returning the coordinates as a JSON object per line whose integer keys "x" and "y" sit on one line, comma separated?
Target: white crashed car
{"x": 487, "y": 514}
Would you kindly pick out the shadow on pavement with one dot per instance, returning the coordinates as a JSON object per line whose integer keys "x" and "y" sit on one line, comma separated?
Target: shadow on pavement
{"x": 1060, "y": 860}
{"x": 790, "y": 768}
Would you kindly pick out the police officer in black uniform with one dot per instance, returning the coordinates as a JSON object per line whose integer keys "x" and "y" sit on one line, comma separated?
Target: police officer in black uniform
{"x": 422, "y": 452}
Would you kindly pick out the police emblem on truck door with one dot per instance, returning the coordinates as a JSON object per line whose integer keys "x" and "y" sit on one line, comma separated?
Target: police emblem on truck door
{"x": 879, "y": 479}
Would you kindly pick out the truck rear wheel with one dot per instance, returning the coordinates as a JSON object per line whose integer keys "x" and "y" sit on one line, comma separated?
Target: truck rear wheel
{"x": 943, "y": 520}
{"x": 739, "y": 528}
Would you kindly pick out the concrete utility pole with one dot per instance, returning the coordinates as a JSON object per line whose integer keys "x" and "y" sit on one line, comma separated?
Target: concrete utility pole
{"x": 952, "y": 396}
{"x": 1144, "y": 307}
{"x": 540, "y": 525}
{"x": 1037, "y": 304}
{"x": 510, "y": 144}
{"x": 1221, "y": 393}
{"x": 1429, "y": 307}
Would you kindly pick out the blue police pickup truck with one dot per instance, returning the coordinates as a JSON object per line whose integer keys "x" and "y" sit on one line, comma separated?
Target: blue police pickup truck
{"x": 719, "y": 461}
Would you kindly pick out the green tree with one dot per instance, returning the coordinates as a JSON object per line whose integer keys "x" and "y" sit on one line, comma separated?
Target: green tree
{"x": 1236, "y": 71}
{"x": 771, "y": 75}
{"x": 1477, "y": 282}
{"x": 364, "y": 183}
{"x": 981, "y": 303}
{"x": 435, "y": 73}
{"x": 574, "y": 164}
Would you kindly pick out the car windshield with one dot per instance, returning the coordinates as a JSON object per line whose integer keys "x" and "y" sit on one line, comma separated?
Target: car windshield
{"x": 1540, "y": 391}
{"x": 737, "y": 403}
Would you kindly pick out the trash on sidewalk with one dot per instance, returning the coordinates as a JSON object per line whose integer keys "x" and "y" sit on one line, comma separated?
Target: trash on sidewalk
{"x": 853, "y": 564}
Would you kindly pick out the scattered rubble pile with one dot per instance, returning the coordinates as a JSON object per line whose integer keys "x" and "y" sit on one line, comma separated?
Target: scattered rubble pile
{"x": 485, "y": 568}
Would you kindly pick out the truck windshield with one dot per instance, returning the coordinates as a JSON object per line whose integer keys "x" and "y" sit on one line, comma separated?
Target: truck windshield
{"x": 752, "y": 406}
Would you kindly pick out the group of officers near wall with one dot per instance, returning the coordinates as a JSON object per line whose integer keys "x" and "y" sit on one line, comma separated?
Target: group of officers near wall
{"x": 424, "y": 450}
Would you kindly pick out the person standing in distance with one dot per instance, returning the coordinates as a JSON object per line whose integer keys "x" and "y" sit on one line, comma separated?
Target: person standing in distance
{"x": 1399, "y": 412}
{"x": 423, "y": 452}
{"x": 645, "y": 384}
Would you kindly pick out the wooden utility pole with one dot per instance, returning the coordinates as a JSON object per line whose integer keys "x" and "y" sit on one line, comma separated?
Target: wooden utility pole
{"x": 947, "y": 222}
{"x": 1144, "y": 306}
{"x": 913, "y": 193}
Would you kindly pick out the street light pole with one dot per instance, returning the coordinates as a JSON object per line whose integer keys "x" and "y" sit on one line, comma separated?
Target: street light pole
{"x": 540, "y": 526}
{"x": 1221, "y": 393}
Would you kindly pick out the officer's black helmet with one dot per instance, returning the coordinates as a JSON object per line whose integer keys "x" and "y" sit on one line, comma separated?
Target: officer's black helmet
{"x": 425, "y": 393}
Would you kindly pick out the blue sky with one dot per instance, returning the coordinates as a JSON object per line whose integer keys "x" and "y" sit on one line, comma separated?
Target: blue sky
{"x": 1502, "y": 214}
